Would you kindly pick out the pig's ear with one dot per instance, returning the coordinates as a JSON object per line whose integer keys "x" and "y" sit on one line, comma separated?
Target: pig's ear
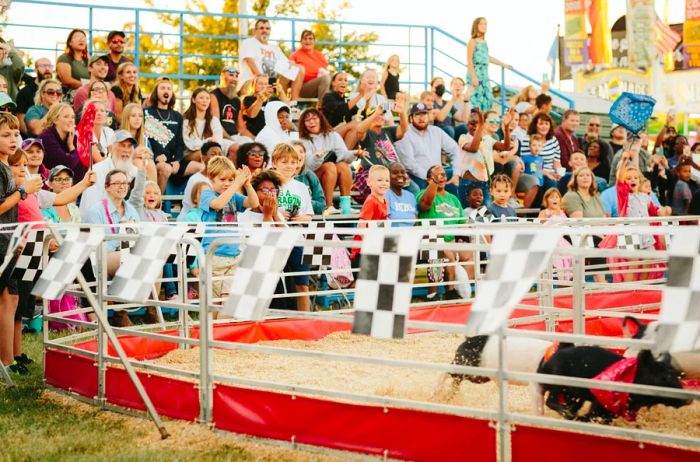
{"x": 645, "y": 357}
{"x": 632, "y": 328}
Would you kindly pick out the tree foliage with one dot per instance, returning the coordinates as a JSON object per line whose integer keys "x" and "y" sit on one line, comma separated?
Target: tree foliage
{"x": 208, "y": 36}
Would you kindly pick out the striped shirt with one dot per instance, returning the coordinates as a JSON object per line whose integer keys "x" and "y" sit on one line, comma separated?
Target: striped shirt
{"x": 550, "y": 152}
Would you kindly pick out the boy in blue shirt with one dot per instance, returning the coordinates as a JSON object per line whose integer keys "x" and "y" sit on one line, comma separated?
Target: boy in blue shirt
{"x": 402, "y": 203}
{"x": 501, "y": 186}
{"x": 534, "y": 163}
{"x": 221, "y": 204}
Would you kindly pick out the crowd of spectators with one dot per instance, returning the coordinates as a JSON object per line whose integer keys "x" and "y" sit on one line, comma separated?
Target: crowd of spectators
{"x": 237, "y": 152}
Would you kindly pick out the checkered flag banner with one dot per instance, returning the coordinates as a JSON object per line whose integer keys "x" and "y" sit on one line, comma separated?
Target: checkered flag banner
{"x": 481, "y": 215}
{"x": 517, "y": 259}
{"x": 629, "y": 241}
{"x": 254, "y": 282}
{"x": 28, "y": 265}
{"x": 19, "y": 235}
{"x": 431, "y": 236}
{"x": 318, "y": 254}
{"x": 144, "y": 263}
{"x": 679, "y": 320}
{"x": 65, "y": 264}
{"x": 384, "y": 285}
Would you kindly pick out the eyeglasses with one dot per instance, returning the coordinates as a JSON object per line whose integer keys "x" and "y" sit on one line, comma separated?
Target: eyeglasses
{"x": 65, "y": 180}
{"x": 493, "y": 120}
{"x": 256, "y": 152}
{"x": 118, "y": 42}
{"x": 471, "y": 122}
{"x": 6, "y": 108}
{"x": 268, "y": 190}
{"x": 120, "y": 183}
{"x": 53, "y": 92}
{"x": 594, "y": 125}
{"x": 98, "y": 90}
{"x": 45, "y": 66}
{"x": 311, "y": 117}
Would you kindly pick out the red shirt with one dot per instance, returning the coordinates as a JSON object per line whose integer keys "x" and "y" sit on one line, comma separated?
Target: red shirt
{"x": 373, "y": 209}
{"x": 310, "y": 60}
{"x": 568, "y": 143}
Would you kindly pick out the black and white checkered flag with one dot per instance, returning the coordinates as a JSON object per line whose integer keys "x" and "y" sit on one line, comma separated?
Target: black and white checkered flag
{"x": 19, "y": 235}
{"x": 318, "y": 254}
{"x": 142, "y": 266}
{"x": 517, "y": 259}
{"x": 679, "y": 320}
{"x": 65, "y": 264}
{"x": 385, "y": 283}
{"x": 254, "y": 281}
{"x": 431, "y": 236}
{"x": 28, "y": 265}
{"x": 481, "y": 215}
{"x": 629, "y": 241}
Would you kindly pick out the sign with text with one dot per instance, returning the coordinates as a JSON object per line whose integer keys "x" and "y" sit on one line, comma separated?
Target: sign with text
{"x": 575, "y": 38}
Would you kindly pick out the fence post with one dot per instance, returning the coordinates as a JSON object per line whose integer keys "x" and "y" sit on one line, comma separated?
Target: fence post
{"x": 294, "y": 34}
{"x": 205, "y": 334}
{"x": 503, "y": 420}
{"x": 90, "y": 49}
{"x": 181, "y": 63}
{"x": 137, "y": 39}
{"x": 428, "y": 63}
{"x": 503, "y": 90}
{"x": 100, "y": 278}
{"x": 579, "y": 302}
{"x": 340, "y": 47}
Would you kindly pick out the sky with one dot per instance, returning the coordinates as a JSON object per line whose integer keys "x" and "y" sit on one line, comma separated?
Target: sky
{"x": 520, "y": 32}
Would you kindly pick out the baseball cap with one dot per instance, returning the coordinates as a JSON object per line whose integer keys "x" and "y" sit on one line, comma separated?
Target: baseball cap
{"x": 95, "y": 57}
{"x": 5, "y": 100}
{"x": 58, "y": 169}
{"x": 419, "y": 108}
{"x": 123, "y": 135}
{"x": 113, "y": 33}
{"x": 30, "y": 141}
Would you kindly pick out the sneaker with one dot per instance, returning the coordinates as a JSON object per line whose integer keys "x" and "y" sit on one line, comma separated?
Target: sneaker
{"x": 18, "y": 368}
{"x": 513, "y": 202}
{"x": 452, "y": 295}
{"x": 331, "y": 210}
{"x": 23, "y": 359}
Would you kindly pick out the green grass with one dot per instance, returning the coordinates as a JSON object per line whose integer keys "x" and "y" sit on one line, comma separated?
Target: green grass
{"x": 36, "y": 425}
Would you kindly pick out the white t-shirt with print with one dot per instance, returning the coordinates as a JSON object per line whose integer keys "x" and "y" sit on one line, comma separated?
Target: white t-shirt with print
{"x": 294, "y": 197}
{"x": 269, "y": 59}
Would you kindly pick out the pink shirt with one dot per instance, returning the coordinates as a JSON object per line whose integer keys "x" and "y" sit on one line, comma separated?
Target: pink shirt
{"x": 82, "y": 95}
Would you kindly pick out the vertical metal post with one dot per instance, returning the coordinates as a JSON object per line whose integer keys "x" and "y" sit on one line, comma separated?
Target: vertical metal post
{"x": 428, "y": 64}
{"x": 547, "y": 296}
{"x": 578, "y": 309}
{"x": 340, "y": 47}
{"x": 503, "y": 90}
{"x": 294, "y": 34}
{"x": 503, "y": 420}
{"x": 205, "y": 333}
{"x": 137, "y": 39}
{"x": 183, "y": 315}
{"x": 90, "y": 50}
{"x": 181, "y": 63}
{"x": 100, "y": 277}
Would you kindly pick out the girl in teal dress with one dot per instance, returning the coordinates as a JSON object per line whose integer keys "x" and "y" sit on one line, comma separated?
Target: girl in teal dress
{"x": 478, "y": 60}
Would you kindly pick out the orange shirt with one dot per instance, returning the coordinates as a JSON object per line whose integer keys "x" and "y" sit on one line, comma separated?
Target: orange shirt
{"x": 311, "y": 61}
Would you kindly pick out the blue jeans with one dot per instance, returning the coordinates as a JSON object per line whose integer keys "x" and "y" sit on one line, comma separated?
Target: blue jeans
{"x": 169, "y": 286}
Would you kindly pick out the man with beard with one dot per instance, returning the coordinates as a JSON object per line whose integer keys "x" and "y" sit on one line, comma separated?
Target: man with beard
{"x": 115, "y": 41}
{"x": 259, "y": 56}
{"x": 593, "y": 134}
{"x": 226, "y": 105}
{"x": 98, "y": 67}
{"x": 422, "y": 146}
{"x": 121, "y": 153}
{"x": 25, "y": 97}
{"x": 163, "y": 128}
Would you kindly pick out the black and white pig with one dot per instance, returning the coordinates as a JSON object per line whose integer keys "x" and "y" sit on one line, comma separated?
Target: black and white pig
{"x": 589, "y": 361}
{"x": 688, "y": 363}
{"x": 522, "y": 355}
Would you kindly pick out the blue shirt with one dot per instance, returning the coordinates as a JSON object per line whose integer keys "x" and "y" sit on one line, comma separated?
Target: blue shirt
{"x": 609, "y": 200}
{"x": 401, "y": 207}
{"x": 534, "y": 165}
{"x": 98, "y": 215}
{"x": 229, "y": 214}
{"x": 501, "y": 212}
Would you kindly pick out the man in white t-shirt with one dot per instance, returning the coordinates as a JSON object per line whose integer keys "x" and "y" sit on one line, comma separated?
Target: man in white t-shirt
{"x": 258, "y": 56}
{"x": 121, "y": 152}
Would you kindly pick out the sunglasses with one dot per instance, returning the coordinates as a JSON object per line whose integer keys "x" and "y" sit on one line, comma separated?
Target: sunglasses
{"x": 231, "y": 71}
{"x": 494, "y": 121}
{"x": 268, "y": 190}
{"x": 118, "y": 42}
{"x": 6, "y": 108}
{"x": 53, "y": 92}
{"x": 594, "y": 125}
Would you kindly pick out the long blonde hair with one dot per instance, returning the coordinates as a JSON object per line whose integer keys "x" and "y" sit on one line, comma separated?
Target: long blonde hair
{"x": 522, "y": 96}
{"x": 54, "y": 111}
{"x": 124, "y": 123}
{"x": 133, "y": 95}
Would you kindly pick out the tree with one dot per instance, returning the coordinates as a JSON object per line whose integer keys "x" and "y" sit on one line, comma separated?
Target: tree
{"x": 217, "y": 29}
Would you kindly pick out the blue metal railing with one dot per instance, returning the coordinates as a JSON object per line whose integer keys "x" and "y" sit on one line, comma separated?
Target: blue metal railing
{"x": 425, "y": 52}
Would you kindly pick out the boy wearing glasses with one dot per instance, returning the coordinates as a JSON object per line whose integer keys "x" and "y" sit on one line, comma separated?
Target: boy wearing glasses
{"x": 116, "y": 40}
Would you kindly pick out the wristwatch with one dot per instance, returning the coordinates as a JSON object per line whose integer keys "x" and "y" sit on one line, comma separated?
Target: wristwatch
{"x": 22, "y": 193}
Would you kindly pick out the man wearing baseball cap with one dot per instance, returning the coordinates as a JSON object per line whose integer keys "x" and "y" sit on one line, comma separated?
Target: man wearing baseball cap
{"x": 121, "y": 153}
{"x": 116, "y": 40}
{"x": 98, "y": 66}
{"x": 422, "y": 147}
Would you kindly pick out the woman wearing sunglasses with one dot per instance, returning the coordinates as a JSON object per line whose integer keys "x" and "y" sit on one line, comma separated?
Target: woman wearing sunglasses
{"x": 48, "y": 93}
